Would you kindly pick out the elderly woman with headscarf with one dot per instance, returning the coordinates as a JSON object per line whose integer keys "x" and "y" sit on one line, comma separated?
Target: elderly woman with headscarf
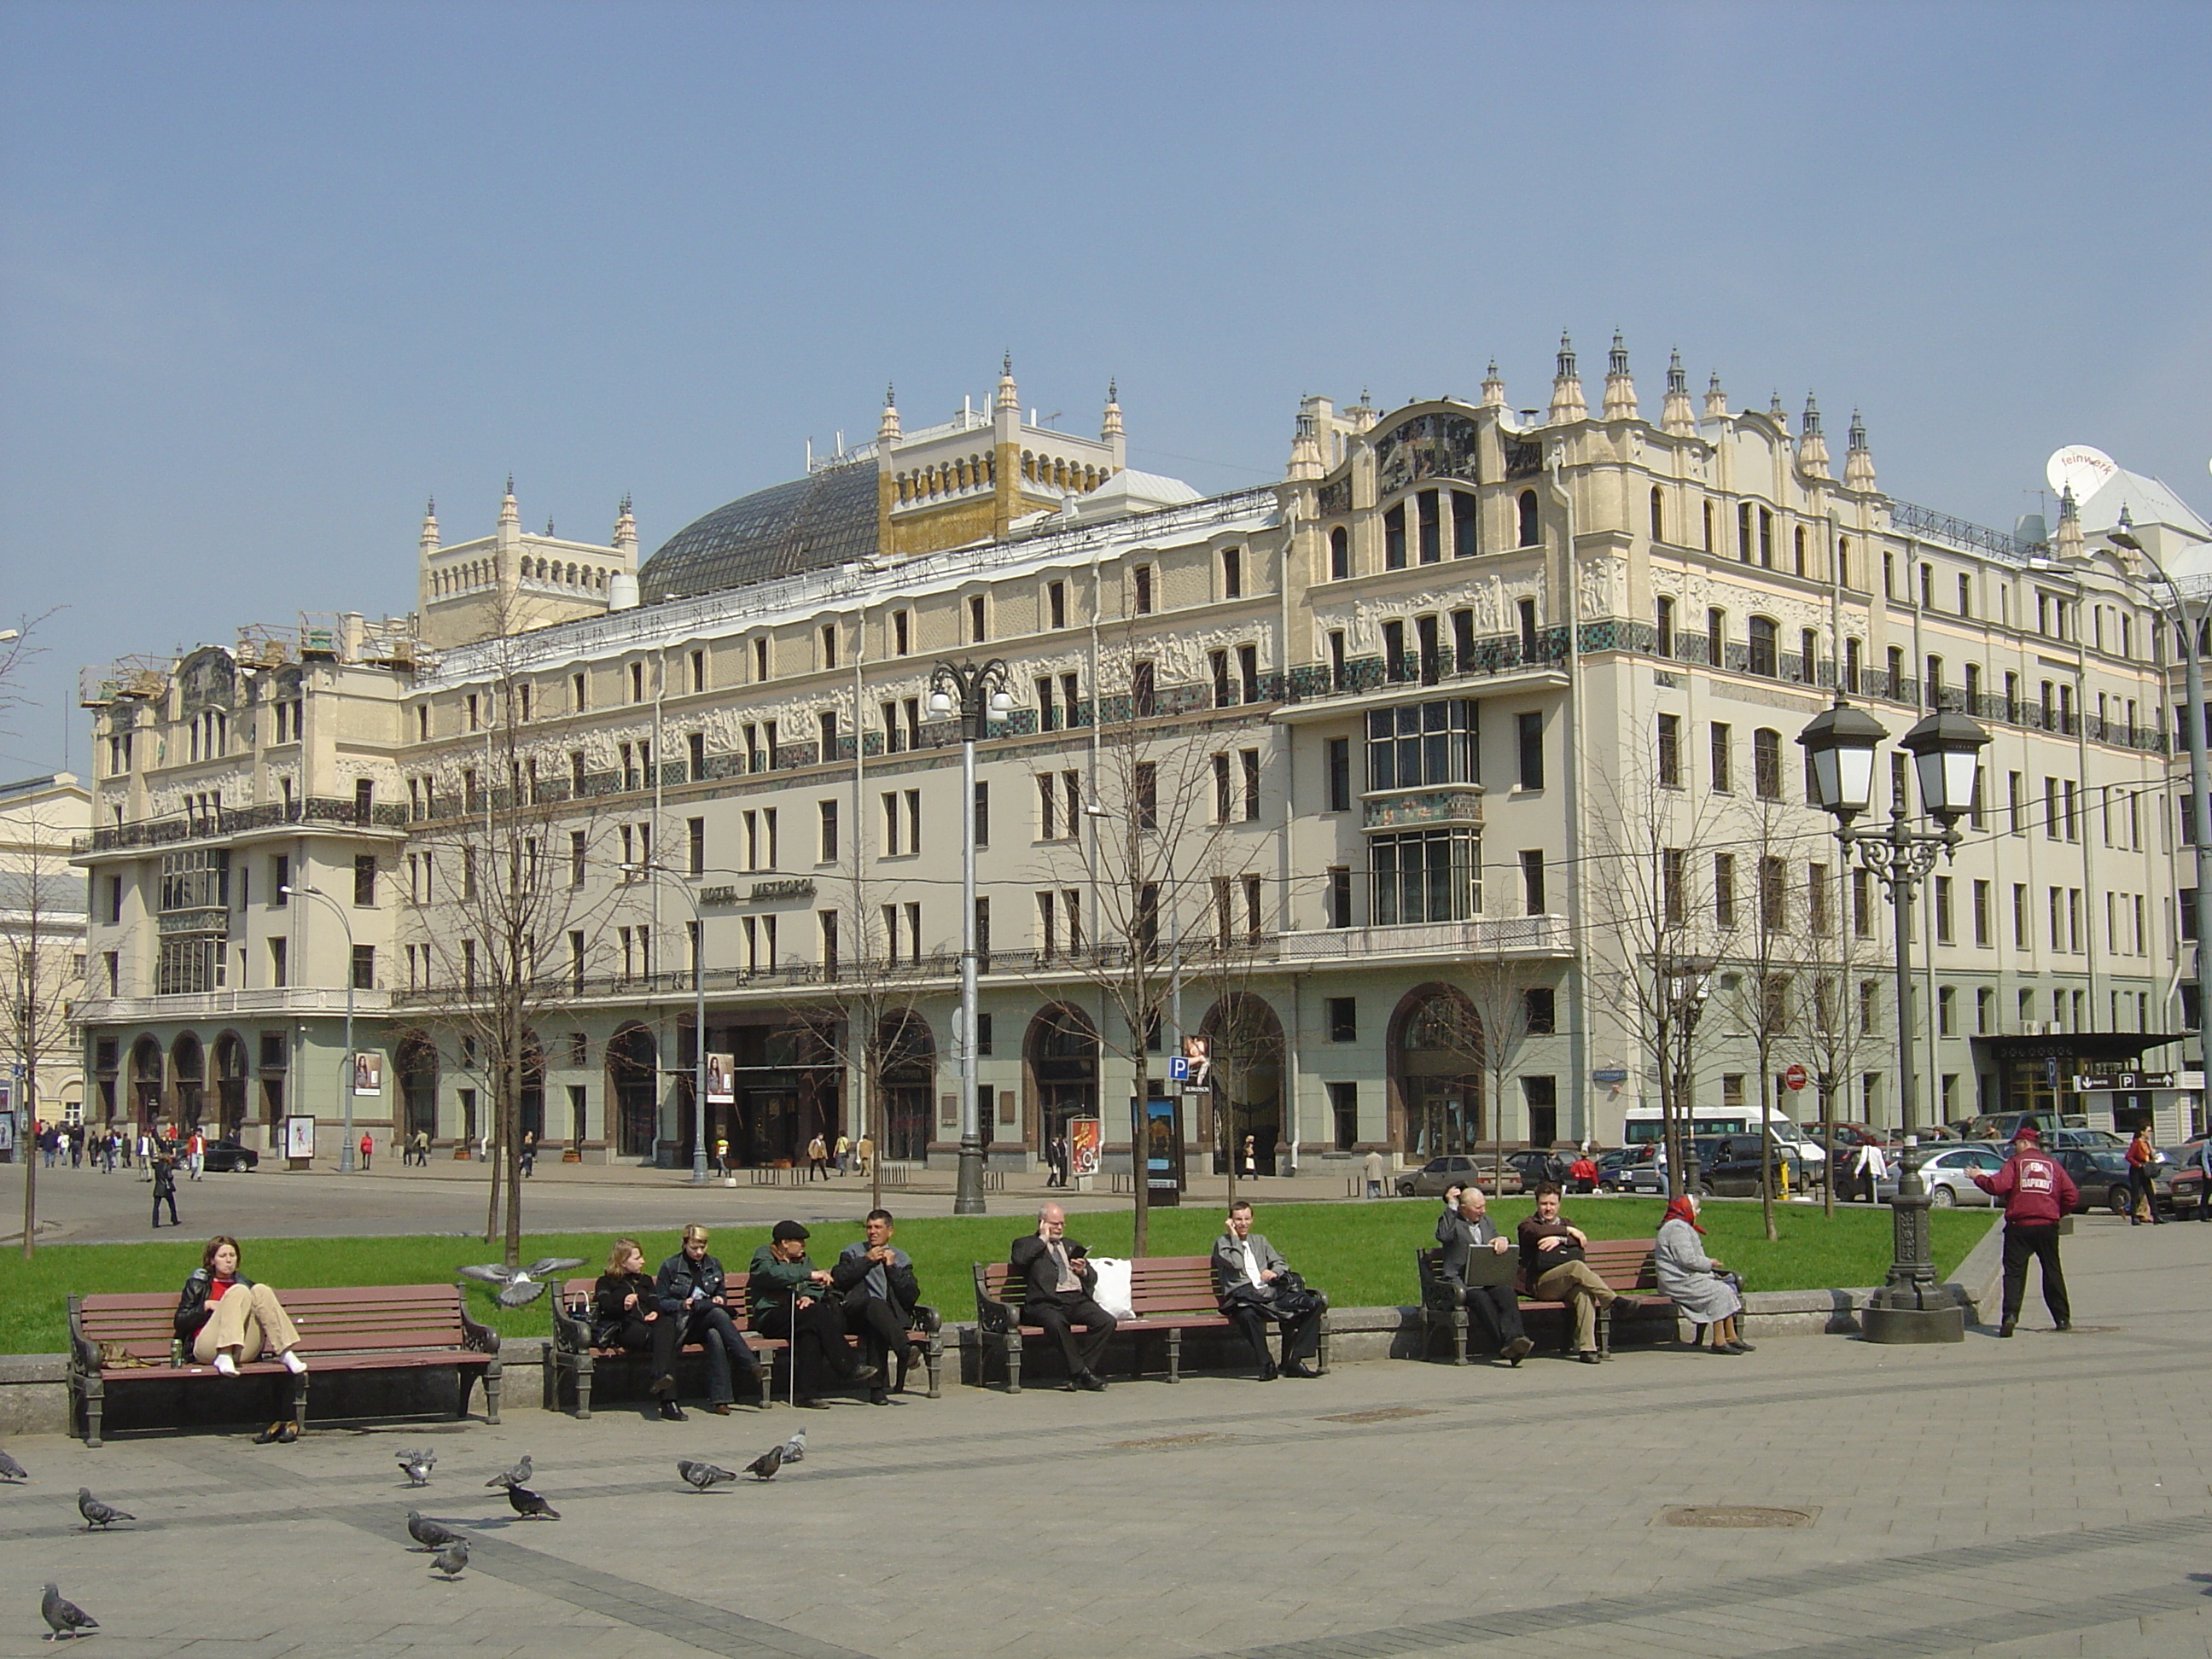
{"x": 1693, "y": 1280}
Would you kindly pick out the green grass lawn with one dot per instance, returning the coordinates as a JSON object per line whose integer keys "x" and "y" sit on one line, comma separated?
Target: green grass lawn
{"x": 1360, "y": 1254}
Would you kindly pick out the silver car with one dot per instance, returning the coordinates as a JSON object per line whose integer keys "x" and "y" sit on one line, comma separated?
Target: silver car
{"x": 1948, "y": 1173}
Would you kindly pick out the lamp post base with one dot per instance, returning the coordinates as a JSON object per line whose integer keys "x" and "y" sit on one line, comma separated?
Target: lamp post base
{"x": 1899, "y": 1327}
{"x": 968, "y": 1191}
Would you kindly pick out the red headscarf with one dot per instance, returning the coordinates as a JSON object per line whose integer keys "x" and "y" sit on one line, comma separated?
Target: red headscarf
{"x": 1678, "y": 1209}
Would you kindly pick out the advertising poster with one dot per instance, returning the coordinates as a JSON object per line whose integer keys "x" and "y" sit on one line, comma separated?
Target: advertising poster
{"x": 1163, "y": 1149}
{"x": 368, "y": 1074}
{"x": 1197, "y": 1071}
{"x": 299, "y": 1137}
{"x": 721, "y": 1079}
{"x": 1086, "y": 1143}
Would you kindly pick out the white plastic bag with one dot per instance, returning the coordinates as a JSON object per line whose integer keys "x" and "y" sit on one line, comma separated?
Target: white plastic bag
{"x": 1110, "y": 1289}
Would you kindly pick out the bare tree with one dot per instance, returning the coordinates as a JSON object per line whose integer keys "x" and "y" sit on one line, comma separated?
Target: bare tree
{"x": 41, "y": 962}
{"x": 1496, "y": 989}
{"x": 1836, "y": 950}
{"x": 1225, "y": 959}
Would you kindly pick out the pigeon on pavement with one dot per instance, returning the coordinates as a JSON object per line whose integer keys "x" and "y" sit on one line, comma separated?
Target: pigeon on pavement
{"x": 11, "y": 1470}
{"x": 794, "y": 1449}
{"x": 702, "y": 1476}
{"x": 416, "y": 1467}
{"x": 95, "y": 1513}
{"x": 430, "y": 1533}
{"x": 518, "y": 1476}
{"x": 529, "y": 1505}
{"x": 64, "y": 1615}
{"x": 451, "y": 1559}
{"x": 765, "y": 1466}
{"x": 519, "y": 1285}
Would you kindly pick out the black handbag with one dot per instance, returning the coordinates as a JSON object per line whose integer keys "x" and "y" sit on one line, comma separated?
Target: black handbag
{"x": 1293, "y": 1299}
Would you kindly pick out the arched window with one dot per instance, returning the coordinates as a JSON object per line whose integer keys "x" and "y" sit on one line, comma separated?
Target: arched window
{"x": 1339, "y": 553}
{"x": 1801, "y": 550}
{"x": 1767, "y": 763}
{"x": 1658, "y": 515}
{"x": 1763, "y": 658}
{"x": 1531, "y": 531}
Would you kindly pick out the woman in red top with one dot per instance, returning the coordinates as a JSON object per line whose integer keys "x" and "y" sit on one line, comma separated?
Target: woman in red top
{"x": 226, "y": 1320}
{"x": 2143, "y": 1172}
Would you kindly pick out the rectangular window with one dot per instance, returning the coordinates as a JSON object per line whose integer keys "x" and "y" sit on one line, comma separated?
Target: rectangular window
{"x": 1145, "y": 809}
{"x": 1338, "y": 754}
{"x": 1530, "y": 728}
{"x": 982, "y": 810}
{"x": 1218, "y": 662}
{"x": 1221, "y": 788}
{"x": 695, "y": 837}
{"x": 1673, "y": 885}
{"x": 1250, "y": 759}
{"x": 1817, "y": 919}
{"x": 1465, "y": 543}
{"x": 902, "y": 639}
{"x": 828, "y": 810}
{"x": 977, "y": 632}
{"x": 1532, "y": 882}
{"x": 1981, "y": 912}
{"x": 1725, "y": 890}
{"x": 1048, "y": 806}
{"x": 1144, "y": 701}
{"x": 279, "y": 963}
{"x": 1142, "y": 582}
{"x": 1232, "y": 573}
{"x": 1055, "y": 602}
{"x": 1985, "y": 1010}
{"x": 1540, "y": 1010}
{"x": 1943, "y": 901}
{"x": 1722, "y": 771}
{"x": 1393, "y": 537}
{"x": 891, "y": 823}
{"x": 1343, "y": 1019}
{"x": 1339, "y": 896}
{"x": 913, "y": 820}
{"x": 828, "y": 919}
{"x": 1248, "y": 670}
{"x": 2020, "y": 923}
{"x": 364, "y": 881}
{"x": 1344, "y": 1109}
{"x": 364, "y": 967}
{"x": 1431, "y": 527}
{"x": 1670, "y": 751}
{"x": 1665, "y": 641}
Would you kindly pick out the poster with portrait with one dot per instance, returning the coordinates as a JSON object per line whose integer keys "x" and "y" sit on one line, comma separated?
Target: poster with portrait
{"x": 368, "y": 1074}
{"x": 721, "y": 1079}
{"x": 299, "y": 1137}
{"x": 1198, "y": 1064}
{"x": 1086, "y": 1142}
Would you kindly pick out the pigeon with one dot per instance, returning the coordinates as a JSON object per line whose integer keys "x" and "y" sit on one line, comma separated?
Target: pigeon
{"x": 95, "y": 1513}
{"x": 794, "y": 1449}
{"x": 11, "y": 1470}
{"x": 64, "y": 1615}
{"x": 702, "y": 1475}
{"x": 519, "y": 1286}
{"x": 416, "y": 1467}
{"x": 451, "y": 1559}
{"x": 529, "y": 1505}
{"x": 430, "y": 1533}
{"x": 765, "y": 1466}
{"x": 518, "y": 1476}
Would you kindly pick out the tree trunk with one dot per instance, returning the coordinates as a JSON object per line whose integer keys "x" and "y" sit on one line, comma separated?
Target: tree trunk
{"x": 1140, "y": 1159}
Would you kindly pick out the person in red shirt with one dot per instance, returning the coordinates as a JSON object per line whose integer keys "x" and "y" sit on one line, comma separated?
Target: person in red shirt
{"x": 367, "y": 1148}
{"x": 1581, "y": 1174}
{"x": 2142, "y": 1173}
{"x": 2037, "y": 1195}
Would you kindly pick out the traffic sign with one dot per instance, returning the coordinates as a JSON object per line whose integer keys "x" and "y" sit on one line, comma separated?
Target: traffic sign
{"x": 2126, "y": 1083}
{"x": 1795, "y": 1078}
{"x": 1178, "y": 1069}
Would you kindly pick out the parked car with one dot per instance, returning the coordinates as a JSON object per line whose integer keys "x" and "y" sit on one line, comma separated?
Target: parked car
{"x": 1734, "y": 1166}
{"x": 1949, "y": 1174}
{"x": 2101, "y": 1175}
{"x": 2003, "y": 1126}
{"x": 228, "y": 1156}
{"x": 2092, "y": 1140}
{"x": 1630, "y": 1170}
{"x": 1527, "y": 1170}
{"x": 2186, "y": 1184}
{"x": 1432, "y": 1177}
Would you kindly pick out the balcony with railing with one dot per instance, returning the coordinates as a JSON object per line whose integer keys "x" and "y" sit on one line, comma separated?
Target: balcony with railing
{"x": 264, "y": 1001}
{"x": 313, "y": 811}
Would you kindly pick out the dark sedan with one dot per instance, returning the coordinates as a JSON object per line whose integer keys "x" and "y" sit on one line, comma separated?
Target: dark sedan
{"x": 224, "y": 1156}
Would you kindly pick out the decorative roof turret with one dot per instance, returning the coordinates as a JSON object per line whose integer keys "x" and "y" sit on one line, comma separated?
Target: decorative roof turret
{"x": 1361, "y": 415}
{"x": 626, "y": 529}
{"x": 887, "y": 429}
{"x": 1493, "y": 389}
{"x": 1811, "y": 447}
{"x": 1715, "y": 399}
{"x": 1009, "y": 396}
{"x": 1676, "y": 417}
{"x": 1774, "y": 408}
{"x": 429, "y": 542}
{"x": 1567, "y": 401}
{"x": 509, "y": 515}
{"x": 1620, "y": 386}
{"x": 1305, "y": 451}
{"x": 1110, "y": 425}
{"x": 1858, "y": 460}
{"x": 2068, "y": 544}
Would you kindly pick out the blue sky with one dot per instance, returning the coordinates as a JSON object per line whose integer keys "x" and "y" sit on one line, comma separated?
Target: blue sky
{"x": 271, "y": 275}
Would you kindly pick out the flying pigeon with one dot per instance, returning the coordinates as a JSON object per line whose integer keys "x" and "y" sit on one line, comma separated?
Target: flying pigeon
{"x": 518, "y": 1476}
{"x": 451, "y": 1559}
{"x": 702, "y": 1475}
{"x": 416, "y": 1467}
{"x": 11, "y": 1470}
{"x": 63, "y": 1616}
{"x": 765, "y": 1466}
{"x": 794, "y": 1449}
{"x": 529, "y": 1505}
{"x": 519, "y": 1285}
{"x": 430, "y": 1533}
{"x": 95, "y": 1513}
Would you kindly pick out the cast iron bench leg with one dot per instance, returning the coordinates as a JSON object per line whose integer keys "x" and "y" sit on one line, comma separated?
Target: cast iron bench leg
{"x": 1175, "y": 1354}
{"x": 95, "y": 1404}
{"x": 300, "y": 1398}
{"x": 586, "y": 1365}
{"x": 1605, "y": 1332}
{"x": 1013, "y": 1341}
{"x": 1459, "y": 1336}
{"x": 932, "y": 1357}
{"x": 492, "y": 1391}
{"x": 1320, "y": 1347}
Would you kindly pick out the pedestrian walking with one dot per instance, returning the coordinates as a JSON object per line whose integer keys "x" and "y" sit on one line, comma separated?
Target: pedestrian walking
{"x": 722, "y": 1156}
{"x": 165, "y": 1185}
{"x": 2037, "y": 1195}
{"x": 196, "y": 1153}
{"x": 367, "y": 1149}
{"x": 865, "y": 1150}
{"x": 77, "y": 1146}
{"x": 1249, "y": 1160}
{"x": 1374, "y": 1175}
{"x": 2204, "y": 1185}
{"x": 844, "y": 1154}
{"x": 2143, "y": 1159}
{"x": 817, "y": 1158}
{"x": 529, "y": 1153}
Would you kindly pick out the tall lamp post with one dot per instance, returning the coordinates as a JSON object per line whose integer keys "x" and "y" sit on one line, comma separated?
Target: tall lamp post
{"x": 698, "y": 1015}
{"x": 345, "y": 1068}
{"x": 1911, "y": 1306}
{"x": 977, "y": 693}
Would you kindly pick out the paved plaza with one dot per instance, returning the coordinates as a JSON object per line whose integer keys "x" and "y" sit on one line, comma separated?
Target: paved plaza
{"x": 2043, "y": 1496}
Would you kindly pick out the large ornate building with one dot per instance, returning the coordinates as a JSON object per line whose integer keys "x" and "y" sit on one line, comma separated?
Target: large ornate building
{"x": 1430, "y": 768}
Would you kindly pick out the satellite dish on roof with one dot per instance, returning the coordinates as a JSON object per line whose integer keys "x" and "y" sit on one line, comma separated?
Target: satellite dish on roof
{"x": 2080, "y": 468}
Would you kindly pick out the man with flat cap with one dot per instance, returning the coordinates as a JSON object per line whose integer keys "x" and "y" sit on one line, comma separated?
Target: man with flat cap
{"x": 791, "y": 1298}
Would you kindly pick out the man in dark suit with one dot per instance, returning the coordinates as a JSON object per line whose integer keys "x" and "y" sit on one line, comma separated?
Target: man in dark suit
{"x": 1058, "y": 1281}
{"x": 1462, "y": 1232}
{"x": 1247, "y": 1275}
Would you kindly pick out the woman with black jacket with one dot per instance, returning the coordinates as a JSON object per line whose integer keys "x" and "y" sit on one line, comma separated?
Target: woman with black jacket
{"x": 623, "y": 1307}
{"x": 225, "y": 1319}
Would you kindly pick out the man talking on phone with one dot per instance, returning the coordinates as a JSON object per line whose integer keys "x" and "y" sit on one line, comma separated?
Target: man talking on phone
{"x": 1256, "y": 1287}
{"x": 1058, "y": 1281}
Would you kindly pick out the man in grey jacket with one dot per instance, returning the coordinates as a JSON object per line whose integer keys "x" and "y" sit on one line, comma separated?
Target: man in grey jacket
{"x": 1462, "y": 1232}
{"x": 1248, "y": 1281}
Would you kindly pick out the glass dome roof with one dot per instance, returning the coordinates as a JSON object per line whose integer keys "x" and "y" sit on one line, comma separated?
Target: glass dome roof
{"x": 823, "y": 519}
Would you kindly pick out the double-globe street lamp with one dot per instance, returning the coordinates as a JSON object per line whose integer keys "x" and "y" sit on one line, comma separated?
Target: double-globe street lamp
{"x": 977, "y": 693}
{"x": 1911, "y": 1306}
{"x": 345, "y": 1066}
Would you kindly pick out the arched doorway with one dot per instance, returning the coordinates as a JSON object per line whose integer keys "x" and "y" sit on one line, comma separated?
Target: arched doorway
{"x": 417, "y": 1068}
{"x": 1060, "y": 1054}
{"x": 1245, "y": 1046}
{"x": 906, "y": 1082}
{"x": 532, "y": 1106}
{"x": 188, "y": 1069}
{"x": 230, "y": 1084}
{"x": 633, "y": 1084}
{"x": 1435, "y": 1073}
{"x": 146, "y": 1081}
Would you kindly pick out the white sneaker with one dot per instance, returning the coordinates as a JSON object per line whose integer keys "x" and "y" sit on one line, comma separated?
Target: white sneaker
{"x": 293, "y": 1362}
{"x": 226, "y": 1364}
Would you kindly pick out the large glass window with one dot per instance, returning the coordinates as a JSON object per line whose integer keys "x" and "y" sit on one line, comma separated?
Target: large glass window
{"x": 1429, "y": 875}
{"x": 1422, "y": 745}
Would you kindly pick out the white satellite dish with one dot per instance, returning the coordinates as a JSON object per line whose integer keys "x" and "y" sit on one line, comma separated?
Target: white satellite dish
{"x": 2080, "y": 468}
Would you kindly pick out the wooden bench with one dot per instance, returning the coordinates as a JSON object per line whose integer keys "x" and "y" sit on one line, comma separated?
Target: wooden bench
{"x": 576, "y": 1360}
{"x": 117, "y": 1340}
{"x": 1171, "y": 1294}
{"x": 1625, "y": 1264}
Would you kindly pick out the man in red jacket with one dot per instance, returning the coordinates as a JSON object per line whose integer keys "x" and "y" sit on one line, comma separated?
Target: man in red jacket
{"x": 2037, "y": 1195}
